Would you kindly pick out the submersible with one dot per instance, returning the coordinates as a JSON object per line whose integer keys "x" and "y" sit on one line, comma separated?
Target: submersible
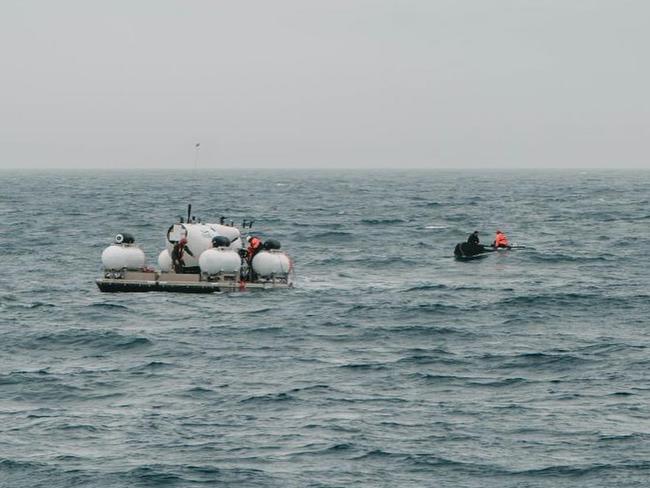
{"x": 198, "y": 258}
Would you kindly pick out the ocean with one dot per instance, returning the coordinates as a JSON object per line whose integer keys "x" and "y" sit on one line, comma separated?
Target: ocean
{"x": 389, "y": 364}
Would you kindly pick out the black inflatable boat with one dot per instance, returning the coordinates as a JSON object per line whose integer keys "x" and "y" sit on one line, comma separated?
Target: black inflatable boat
{"x": 465, "y": 250}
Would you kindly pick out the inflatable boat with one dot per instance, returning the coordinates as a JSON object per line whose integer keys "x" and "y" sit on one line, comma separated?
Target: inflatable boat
{"x": 464, "y": 251}
{"x": 198, "y": 258}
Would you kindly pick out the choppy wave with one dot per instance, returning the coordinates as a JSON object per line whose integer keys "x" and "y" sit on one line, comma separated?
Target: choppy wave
{"x": 86, "y": 338}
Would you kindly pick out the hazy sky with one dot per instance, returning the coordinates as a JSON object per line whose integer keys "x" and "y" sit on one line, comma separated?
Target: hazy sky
{"x": 331, "y": 83}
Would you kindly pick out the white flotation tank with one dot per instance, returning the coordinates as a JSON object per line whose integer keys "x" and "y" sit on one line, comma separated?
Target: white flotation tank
{"x": 271, "y": 263}
{"x": 220, "y": 260}
{"x": 120, "y": 256}
{"x": 165, "y": 261}
{"x": 199, "y": 239}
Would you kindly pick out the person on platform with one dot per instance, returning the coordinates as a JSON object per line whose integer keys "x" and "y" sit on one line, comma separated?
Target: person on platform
{"x": 180, "y": 248}
{"x": 254, "y": 246}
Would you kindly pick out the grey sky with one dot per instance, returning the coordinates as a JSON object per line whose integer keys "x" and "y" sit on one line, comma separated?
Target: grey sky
{"x": 332, "y": 83}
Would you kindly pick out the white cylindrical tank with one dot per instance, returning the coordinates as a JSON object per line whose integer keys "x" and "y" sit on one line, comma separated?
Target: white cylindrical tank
{"x": 116, "y": 257}
{"x": 165, "y": 261}
{"x": 271, "y": 263}
{"x": 219, "y": 260}
{"x": 199, "y": 239}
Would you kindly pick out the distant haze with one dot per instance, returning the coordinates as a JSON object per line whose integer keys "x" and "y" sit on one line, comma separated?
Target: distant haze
{"x": 332, "y": 83}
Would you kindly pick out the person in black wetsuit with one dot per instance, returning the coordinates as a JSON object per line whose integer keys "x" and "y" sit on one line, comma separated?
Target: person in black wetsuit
{"x": 473, "y": 238}
{"x": 473, "y": 245}
{"x": 470, "y": 248}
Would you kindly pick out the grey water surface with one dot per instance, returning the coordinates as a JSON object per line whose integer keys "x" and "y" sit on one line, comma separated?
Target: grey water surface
{"x": 389, "y": 364}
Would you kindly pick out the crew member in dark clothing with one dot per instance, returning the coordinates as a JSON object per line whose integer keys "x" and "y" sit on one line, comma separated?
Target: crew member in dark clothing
{"x": 470, "y": 248}
{"x": 177, "y": 254}
{"x": 473, "y": 238}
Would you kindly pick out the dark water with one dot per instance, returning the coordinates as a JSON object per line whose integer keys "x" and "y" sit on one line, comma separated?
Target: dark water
{"x": 390, "y": 364}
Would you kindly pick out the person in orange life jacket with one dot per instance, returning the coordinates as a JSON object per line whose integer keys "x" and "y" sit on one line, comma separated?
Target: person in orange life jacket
{"x": 500, "y": 240}
{"x": 254, "y": 246}
{"x": 177, "y": 254}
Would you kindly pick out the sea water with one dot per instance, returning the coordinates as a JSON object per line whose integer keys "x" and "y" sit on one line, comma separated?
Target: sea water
{"x": 389, "y": 364}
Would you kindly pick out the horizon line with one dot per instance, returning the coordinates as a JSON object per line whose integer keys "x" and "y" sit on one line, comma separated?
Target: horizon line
{"x": 316, "y": 169}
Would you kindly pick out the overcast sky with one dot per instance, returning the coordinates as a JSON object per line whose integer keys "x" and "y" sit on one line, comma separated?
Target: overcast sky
{"x": 331, "y": 83}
